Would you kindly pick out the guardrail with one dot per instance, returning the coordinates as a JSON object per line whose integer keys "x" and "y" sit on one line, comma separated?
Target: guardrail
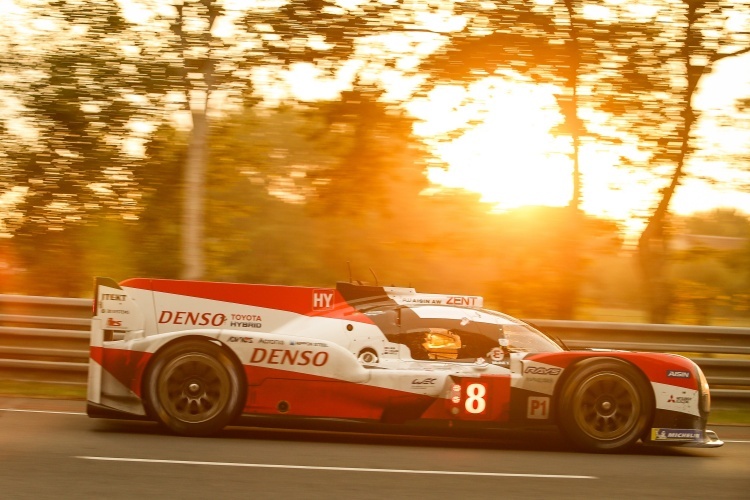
{"x": 46, "y": 339}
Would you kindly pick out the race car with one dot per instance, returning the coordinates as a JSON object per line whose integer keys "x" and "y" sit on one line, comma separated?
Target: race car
{"x": 198, "y": 356}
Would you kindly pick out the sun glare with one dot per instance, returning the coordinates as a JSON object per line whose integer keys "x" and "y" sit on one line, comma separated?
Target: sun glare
{"x": 509, "y": 157}
{"x": 496, "y": 137}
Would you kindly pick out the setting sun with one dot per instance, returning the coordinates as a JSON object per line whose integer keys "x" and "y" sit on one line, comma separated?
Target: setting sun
{"x": 496, "y": 138}
{"x": 509, "y": 157}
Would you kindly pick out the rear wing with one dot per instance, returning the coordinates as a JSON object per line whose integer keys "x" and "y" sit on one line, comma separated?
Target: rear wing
{"x": 115, "y": 308}
{"x": 115, "y": 313}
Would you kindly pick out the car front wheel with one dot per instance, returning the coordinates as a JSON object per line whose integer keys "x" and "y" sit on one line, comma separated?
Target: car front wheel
{"x": 606, "y": 405}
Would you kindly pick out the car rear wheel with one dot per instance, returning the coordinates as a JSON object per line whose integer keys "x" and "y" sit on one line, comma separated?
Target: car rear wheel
{"x": 194, "y": 388}
{"x": 606, "y": 405}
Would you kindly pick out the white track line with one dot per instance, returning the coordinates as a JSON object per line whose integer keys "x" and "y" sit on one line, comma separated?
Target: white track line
{"x": 343, "y": 469}
{"x": 44, "y": 411}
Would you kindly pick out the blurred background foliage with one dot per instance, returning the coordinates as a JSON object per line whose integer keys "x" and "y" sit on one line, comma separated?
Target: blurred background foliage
{"x": 148, "y": 142}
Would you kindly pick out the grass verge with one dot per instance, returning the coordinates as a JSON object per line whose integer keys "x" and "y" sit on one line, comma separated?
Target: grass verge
{"x": 730, "y": 414}
{"x": 30, "y": 389}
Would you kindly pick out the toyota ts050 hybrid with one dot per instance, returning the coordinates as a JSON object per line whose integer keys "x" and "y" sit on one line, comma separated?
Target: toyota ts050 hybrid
{"x": 197, "y": 356}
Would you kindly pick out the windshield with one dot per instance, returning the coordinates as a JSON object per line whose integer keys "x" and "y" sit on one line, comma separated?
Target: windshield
{"x": 438, "y": 332}
{"x": 521, "y": 337}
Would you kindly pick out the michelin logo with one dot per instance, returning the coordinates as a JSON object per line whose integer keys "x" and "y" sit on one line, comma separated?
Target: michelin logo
{"x": 676, "y": 435}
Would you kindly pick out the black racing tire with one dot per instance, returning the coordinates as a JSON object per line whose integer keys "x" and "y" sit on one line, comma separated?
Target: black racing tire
{"x": 605, "y": 406}
{"x": 194, "y": 388}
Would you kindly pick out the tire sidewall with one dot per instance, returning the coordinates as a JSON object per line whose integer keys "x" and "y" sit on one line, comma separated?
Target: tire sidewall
{"x": 156, "y": 409}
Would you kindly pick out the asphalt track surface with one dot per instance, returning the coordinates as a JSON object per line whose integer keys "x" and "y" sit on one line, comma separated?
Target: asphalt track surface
{"x": 51, "y": 449}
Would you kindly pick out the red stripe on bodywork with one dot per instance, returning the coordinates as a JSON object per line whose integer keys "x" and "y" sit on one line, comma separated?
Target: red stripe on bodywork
{"x": 296, "y": 299}
{"x": 316, "y": 396}
{"x": 126, "y": 366}
{"x": 656, "y": 366}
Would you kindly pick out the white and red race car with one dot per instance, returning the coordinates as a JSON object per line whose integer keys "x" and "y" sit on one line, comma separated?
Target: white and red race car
{"x": 197, "y": 356}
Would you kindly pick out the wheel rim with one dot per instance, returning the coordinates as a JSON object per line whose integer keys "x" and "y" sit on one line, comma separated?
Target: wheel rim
{"x": 194, "y": 387}
{"x": 607, "y": 406}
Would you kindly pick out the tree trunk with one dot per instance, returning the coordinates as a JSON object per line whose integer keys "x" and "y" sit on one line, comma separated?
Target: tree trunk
{"x": 653, "y": 245}
{"x": 570, "y": 263}
{"x": 193, "y": 195}
{"x": 652, "y": 259}
{"x": 571, "y": 260}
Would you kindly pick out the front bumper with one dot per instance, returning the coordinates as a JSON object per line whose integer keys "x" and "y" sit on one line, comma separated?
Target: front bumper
{"x": 710, "y": 440}
{"x": 707, "y": 439}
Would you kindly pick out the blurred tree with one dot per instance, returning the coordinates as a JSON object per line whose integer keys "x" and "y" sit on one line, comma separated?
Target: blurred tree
{"x": 528, "y": 259}
{"x": 297, "y": 192}
{"x": 623, "y": 62}
{"x": 366, "y": 196}
{"x": 552, "y": 43}
{"x": 737, "y": 119}
{"x": 52, "y": 263}
{"x": 212, "y": 53}
{"x": 372, "y": 150}
{"x": 87, "y": 83}
{"x": 197, "y": 68}
{"x": 711, "y": 271}
{"x": 695, "y": 35}
{"x": 720, "y": 222}
{"x": 156, "y": 235}
{"x": 67, "y": 84}
{"x": 612, "y": 289}
{"x": 191, "y": 61}
{"x": 523, "y": 41}
{"x": 258, "y": 227}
